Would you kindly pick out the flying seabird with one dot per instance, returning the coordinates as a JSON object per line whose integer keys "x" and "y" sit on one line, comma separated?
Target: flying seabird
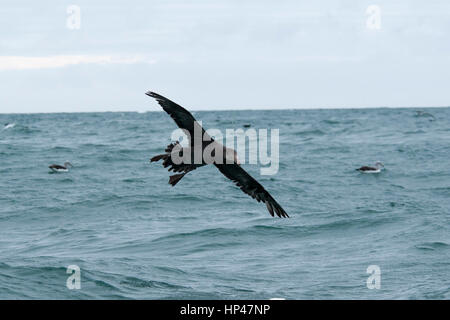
{"x": 229, "y": 166}
{"x": 376, "y": 169}
{"x": 59, "y": 168}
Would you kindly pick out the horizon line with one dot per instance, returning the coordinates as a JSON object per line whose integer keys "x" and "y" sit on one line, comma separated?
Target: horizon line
{"x": 235, "y": 109}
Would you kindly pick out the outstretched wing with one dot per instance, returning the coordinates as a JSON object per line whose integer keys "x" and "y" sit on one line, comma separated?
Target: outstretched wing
{"x": 183, "y": 118}
{"x": 251, "y": 187}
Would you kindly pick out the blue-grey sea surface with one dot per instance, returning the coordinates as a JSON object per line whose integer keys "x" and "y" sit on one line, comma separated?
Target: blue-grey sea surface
{"x": 133, "y": 236}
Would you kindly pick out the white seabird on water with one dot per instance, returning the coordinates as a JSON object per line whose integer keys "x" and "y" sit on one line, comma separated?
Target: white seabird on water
{"x": 59, "y": 168}
{"x": 9, "y": 125}
{"x": 376, "y": 169}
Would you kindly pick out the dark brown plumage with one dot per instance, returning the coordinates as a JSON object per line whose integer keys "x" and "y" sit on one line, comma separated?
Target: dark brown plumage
{"x": 366, "y": 168}
{"x": 57, "y": 167}
{"x": 233, "y": 171}
{"x": 250, "y": 186}
{"x": 377, "y": 168}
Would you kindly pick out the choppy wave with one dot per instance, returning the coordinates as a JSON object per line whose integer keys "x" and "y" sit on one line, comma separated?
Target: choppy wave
{"x": 135, "y": 237}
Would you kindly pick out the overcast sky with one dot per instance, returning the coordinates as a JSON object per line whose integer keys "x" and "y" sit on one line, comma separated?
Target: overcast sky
{"x": 84, "y": 55}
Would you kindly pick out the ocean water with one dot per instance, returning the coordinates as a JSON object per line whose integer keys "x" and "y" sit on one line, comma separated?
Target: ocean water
{"x": 133, "y": 236}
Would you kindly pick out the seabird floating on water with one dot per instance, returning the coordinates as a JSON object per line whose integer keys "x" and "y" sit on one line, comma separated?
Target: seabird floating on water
{"x": 59, "y": 168}
{"x": 229, "y": 167}
{"x": 425, "y": 114}
{"x": 376, "y": 169}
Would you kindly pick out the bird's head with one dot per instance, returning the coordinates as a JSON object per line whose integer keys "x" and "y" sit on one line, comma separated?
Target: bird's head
{"x": 67, "y": 163}
{"x": 231, "y": 156}
{"x": 236, "y": 158}
{"x": 379, "y": 164}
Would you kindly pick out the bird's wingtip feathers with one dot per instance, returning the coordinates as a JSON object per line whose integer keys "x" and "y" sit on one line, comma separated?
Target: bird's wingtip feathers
{"x": 154, "y": 95}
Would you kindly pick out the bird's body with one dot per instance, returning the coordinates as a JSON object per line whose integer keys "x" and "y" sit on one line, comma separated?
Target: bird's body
{"x": 182, "y": 160}
{"x": 9, "y": 125}
{"x": 367, "y": 169}
{"x": 425, "y": 114}
{"x": 59, "y": 168}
